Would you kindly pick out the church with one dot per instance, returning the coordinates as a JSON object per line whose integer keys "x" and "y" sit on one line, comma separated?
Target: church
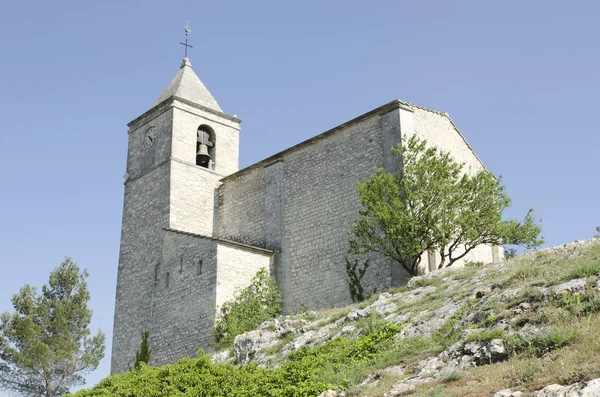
{"x": 196, "y": 228}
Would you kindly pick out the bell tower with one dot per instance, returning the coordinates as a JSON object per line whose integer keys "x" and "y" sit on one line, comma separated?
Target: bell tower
{"x": 178, "y": 151}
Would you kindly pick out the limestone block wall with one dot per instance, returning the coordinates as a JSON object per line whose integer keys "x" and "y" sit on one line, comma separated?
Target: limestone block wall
{"x": 140, "y": 158}
{"x": 441, "y": 132}
{"x": 241, "y": 204}
{"x": 186, "y": 120}
{"x": 302, "y": 204}
{"x": 145, "y": 213}
{"x": 193, "y": 191}
{"x": 236, "y": 265}
{"x": 320, "y": 206}
{"x": 183, "y": 298}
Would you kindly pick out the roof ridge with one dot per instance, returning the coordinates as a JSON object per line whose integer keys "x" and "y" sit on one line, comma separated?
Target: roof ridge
{"x": 424, "y": 108}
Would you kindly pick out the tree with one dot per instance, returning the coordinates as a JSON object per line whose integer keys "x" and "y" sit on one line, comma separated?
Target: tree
{"x": 433, "y": 204}
{"x": 45, "y": 345}
{"x": 143, "y": 355}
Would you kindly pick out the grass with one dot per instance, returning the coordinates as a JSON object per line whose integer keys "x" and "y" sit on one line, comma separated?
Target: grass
{"x": 585, "y": 269}
{"x": 567, "y": 350}
{"x": 485, "y": 335}
{"x": 577, "y": 360}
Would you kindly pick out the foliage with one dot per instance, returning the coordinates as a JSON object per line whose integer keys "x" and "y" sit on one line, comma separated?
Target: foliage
{"x": 45, "y": 345}
{"x": 308, "y": 372}
{"x": 355, "y": 275}
{"x": 597, "y": 235}
{"x": 253, "y": 305}
{"x": 434, "y": 204}
{"x": 143, "y": 355}
{"x": 510, "y": 253}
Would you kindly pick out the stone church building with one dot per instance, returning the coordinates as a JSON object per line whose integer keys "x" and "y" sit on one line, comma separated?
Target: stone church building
{"x": 196, "y": 227}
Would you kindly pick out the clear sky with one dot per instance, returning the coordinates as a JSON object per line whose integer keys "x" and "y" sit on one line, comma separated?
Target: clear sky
{"x": 519, "y": 78}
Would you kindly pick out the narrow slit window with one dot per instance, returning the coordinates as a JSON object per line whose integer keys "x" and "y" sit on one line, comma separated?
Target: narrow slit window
{"x": 167, "y": 280}
{"x": 199, "y": 270}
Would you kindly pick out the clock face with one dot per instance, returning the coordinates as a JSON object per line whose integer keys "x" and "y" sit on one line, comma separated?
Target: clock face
{"x": 150, "y": 137}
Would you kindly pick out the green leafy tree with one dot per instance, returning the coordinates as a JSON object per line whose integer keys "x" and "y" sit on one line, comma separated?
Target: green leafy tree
{"x": 253, "y": 305}
{"x": 45, "y": 345}
{"x": 597, "y": 235}
{"x": 143, "y": 355}
{"x": 433, "y": 204}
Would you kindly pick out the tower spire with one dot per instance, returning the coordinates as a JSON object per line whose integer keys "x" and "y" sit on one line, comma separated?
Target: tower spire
{"x": 187, "y": 32}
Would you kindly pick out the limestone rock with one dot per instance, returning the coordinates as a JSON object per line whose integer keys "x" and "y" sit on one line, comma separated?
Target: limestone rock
{"x": 247, "y": 346}
{"x": 581, "y": 389}
{"x": 427, "y": 322}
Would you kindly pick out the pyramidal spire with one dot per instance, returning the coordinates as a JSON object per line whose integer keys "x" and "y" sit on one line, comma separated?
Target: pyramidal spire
{"x": 186, "y": 85}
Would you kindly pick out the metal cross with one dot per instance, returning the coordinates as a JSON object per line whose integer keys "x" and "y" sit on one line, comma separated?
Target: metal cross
{"x": 187, "y": 31}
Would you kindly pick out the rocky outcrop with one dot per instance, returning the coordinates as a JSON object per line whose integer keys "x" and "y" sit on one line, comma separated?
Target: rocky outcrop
{"x": 427, "y": 305}
{"x": 581, "y": 389}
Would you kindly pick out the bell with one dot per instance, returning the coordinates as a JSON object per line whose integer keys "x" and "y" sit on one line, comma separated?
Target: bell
{"x": 202, "y": 156}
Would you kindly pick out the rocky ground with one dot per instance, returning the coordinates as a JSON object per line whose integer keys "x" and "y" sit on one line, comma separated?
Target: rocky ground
{"x": 495, "y": 315}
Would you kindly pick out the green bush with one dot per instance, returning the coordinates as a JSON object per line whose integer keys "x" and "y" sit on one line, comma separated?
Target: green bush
{"x": 258, "y": 302}
{"x": 308, "y": 372}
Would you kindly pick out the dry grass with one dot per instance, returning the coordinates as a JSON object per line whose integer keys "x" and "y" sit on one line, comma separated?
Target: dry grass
{"x": 568, "y": 352}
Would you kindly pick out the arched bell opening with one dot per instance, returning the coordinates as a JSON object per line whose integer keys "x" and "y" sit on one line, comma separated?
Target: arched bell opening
{"x": 205, "y": 147}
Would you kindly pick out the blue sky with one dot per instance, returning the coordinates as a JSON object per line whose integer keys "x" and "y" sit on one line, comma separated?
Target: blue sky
{"x": 519, "y": 79}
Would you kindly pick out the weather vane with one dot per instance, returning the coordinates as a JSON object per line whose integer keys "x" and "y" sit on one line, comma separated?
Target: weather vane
{"x": 187, "y": 32}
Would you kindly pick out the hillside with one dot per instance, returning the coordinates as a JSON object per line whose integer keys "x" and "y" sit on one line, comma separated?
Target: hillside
{"x": 522, "y": 324}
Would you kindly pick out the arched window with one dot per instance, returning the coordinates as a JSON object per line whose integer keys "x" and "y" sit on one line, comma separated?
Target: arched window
{"x": 205, "y": 147}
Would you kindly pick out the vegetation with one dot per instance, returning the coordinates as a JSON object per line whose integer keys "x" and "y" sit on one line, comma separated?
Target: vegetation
{"x": 308, "y": 372}
{"x": 434, "y": 204}
{"x": 45, "y": 345}
{"x": 143, "y": 355}
{"x": 253, "y": 305}
{"x": 355, "y": 275}
{"x": 560, "y": 345}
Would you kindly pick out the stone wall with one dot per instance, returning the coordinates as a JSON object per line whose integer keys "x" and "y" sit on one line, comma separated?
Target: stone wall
{"x": 186, "y": 120}
{"x": 145, "y": 213}
{"x": 193, "y": 194}
{"x": 183, "y": 299}
{"x": 241, "y": 203}
{"x": 236, "y": 265}
{"x": 302, "y": 203}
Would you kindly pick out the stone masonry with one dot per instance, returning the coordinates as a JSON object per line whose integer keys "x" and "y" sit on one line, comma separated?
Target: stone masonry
{"x": 192, "y": 235}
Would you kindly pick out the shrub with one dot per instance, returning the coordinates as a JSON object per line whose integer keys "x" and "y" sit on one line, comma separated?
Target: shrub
{"x": 308, "y": 372}
{"x": 143, "y": 355}
{"x": 253, "y": 305}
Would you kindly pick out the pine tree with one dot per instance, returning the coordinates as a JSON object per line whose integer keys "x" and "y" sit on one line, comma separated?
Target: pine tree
{"x": 45, "y": 345}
